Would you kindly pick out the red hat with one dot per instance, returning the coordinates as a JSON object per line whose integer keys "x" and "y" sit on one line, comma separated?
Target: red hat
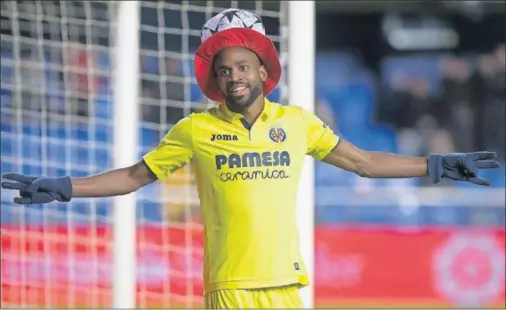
{"x": 234, "y": 35}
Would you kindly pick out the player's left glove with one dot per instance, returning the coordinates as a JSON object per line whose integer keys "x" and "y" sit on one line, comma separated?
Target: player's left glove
{"x": 461, "y": 166}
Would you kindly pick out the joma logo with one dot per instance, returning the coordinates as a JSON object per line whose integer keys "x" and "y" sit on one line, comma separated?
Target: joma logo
{"x": 224, "y": 137}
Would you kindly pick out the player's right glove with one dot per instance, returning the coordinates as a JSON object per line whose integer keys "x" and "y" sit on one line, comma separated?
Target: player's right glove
{"x": 36, "y": 190}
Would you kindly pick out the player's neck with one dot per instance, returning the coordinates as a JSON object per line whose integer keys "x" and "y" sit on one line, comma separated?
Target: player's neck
{"x": 252, "y": 112}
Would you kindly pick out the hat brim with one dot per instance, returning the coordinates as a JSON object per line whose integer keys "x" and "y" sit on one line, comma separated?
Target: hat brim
{"x": 235, "y": 37}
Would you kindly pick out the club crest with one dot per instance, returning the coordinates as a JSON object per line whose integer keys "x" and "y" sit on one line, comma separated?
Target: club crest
{"x": 277, "y": 135}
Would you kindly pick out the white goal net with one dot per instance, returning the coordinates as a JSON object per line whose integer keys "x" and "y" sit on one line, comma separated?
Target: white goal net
{"x": 56, "y": 110}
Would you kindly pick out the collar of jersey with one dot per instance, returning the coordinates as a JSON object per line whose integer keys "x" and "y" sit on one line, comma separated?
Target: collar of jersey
{"x": 232, "y": 116}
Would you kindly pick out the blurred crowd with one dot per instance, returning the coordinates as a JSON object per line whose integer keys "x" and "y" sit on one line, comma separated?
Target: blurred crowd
{"x": 464, "y": 114}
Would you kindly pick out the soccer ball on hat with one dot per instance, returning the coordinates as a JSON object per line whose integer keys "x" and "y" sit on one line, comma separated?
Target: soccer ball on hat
{"x": 231, "y": 18}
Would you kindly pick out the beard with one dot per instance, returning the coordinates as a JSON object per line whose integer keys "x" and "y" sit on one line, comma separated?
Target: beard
{"x": 239, "y": 103}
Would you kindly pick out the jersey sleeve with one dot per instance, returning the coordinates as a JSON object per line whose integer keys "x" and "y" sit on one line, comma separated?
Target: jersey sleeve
{"x": 173, "y": 152}
{"x": 321, "y": 140}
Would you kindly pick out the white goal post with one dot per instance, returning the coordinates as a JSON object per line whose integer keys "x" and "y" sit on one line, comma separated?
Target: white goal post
{"x": 301, "y": 45}
{"x": 126, "y": 120}
{"x": 301, "y": 91}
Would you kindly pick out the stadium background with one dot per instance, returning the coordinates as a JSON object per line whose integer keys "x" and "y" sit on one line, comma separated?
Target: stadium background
{"x": 406, "y": 77}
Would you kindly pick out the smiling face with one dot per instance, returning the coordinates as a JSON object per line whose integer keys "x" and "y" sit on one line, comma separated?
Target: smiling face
{"x": 240, "y": 76}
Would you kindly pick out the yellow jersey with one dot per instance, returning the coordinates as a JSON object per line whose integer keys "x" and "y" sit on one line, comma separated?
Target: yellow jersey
{"x": 247, "y": 180}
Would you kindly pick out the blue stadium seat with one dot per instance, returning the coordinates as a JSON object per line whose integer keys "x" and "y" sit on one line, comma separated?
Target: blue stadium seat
{"x": 80, "y": 132}
{"x": 78, "y": 173}
{"x": 6, "y": 166}
{"x": 275, "y": 95}
{"x": 497, "y": 177}
{"x": 149, "y": 137}
{"x": 327, "y": 175}
{"x": 5, "y": 98}
{"x": 103, "y": 207}
{"x": 56, "y": 130}
{"x": 6, "y": 71}
{"x": 8, "y": 146}
{"x": 55, "y": 152}
{"x": 29, "y": 169}
{"x": 415, "y": 66}
{"x": 195, "y": 93}
{"x": 381, "y": 138}
{"x": 190, "y": 65}
{"x": 53, "y": 171}
{"x": 334, "y": 69}
{"x": 78, "y": 208}
{"x": 32, "y": 129}
{"x": 150, "y": 65}
{"x": 103, "y": 132}
{"x": 103, "y": 108}
{"x": 6, "y": 124}
{"x": 79, "y": 154}
{"x": 352, "y": 105}
{"x": 102, "y": 158}
{"x": 7, "y": 215}
{"x": 103, "y": 61}
{"x": 371, "y": 138}
{"x": 149, "y": 211}
{"x": 31, "y": 148}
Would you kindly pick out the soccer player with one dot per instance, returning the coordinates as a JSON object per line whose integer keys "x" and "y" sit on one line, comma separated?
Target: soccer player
{"x": 248, "y": 153}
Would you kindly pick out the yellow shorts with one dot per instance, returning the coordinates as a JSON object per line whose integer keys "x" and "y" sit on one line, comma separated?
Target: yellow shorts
{"x": 284, "y": 297}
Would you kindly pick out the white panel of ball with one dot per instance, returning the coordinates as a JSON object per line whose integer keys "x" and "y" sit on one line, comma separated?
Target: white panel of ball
{"x": 239, "y": 19}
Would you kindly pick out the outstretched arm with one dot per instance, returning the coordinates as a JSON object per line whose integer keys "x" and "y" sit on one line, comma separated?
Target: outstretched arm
{"x": 324, "y": 145}
{"x": 458, "y": 166}
{"x": 111, "y": 183}
{"x": 375, "y": 164}
{"x": 114, "y": 182}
